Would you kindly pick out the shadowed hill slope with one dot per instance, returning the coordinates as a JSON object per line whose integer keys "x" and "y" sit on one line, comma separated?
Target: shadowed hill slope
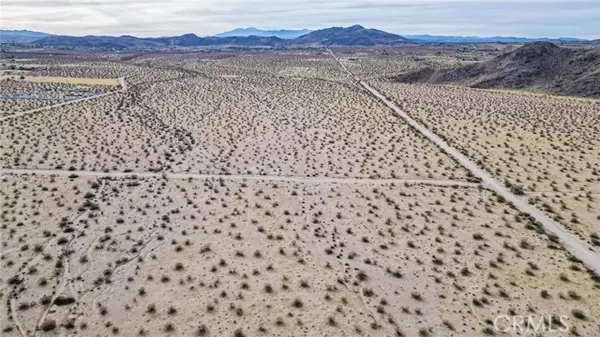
{"x": 538, "y": 66}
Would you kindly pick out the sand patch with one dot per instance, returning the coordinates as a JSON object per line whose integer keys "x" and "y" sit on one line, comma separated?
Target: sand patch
{"x": 75, "y": 80}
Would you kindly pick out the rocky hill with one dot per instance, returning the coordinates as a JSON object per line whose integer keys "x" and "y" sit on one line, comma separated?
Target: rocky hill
{"x": 355, "y": 35}
{"x": 539, "y": 66}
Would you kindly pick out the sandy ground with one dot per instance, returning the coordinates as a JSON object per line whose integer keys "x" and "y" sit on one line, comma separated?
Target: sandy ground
{"x": 540, "y": 143}
{"x": 349, "y": 233}
{"x": 267, "y": 126}
{"x": 578, "y": 213}
{"x": 289, "y": 258}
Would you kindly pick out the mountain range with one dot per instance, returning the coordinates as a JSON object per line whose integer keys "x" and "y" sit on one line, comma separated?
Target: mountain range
{"x": 282, "y": 34}
{"x": 492, "y": 39}
{"x": 132, "y": 42}
{"x": 350, "y": 36}
{"x": 252, "y": 37}
{"x": 539, "y": 66}
{"x": 20, "y": 36}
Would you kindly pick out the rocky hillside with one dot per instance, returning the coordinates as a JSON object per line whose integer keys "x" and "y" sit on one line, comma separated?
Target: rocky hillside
{"x": 538, "y": 66}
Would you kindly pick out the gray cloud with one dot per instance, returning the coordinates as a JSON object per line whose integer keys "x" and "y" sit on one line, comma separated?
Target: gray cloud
{"x": 443, "y": 17}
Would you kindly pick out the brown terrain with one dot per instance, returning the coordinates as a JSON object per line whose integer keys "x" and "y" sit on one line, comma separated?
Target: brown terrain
{"x": 268, "y": 193}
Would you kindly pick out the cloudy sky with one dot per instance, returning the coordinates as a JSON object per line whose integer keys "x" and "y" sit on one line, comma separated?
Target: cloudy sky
{"x": 534, "y": 18}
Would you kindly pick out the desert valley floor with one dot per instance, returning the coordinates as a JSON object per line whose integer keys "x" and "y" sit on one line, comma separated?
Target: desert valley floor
{"x": 267, "y": 193}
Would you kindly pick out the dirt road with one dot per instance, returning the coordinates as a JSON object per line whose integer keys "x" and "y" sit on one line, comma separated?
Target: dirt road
{"x": 573, "y": 244}
{"x": 171, "y": 175}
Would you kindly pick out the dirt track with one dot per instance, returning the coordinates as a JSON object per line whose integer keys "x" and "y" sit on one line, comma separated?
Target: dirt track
{"x": 166, "y": 175}
{"x": 576, "y": 246}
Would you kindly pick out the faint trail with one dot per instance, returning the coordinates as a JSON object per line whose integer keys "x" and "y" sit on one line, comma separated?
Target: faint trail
{"x": 165, "y": 175}
{"x": 61, "y": 288}
{"x": 13, "y": 308}
{"x": 573, "y": 244}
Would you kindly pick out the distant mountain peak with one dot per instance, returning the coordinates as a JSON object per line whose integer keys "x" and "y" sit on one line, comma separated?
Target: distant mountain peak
{"x": 542, "y": 45}
{"x": 356, "y": 27}
{"x": 355, "y": 35}
{"x": 282, "y": 34}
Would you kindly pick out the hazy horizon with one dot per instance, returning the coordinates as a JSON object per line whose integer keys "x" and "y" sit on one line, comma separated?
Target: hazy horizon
{"x": 532, "y": 18}
{"x": 309, "y": 29}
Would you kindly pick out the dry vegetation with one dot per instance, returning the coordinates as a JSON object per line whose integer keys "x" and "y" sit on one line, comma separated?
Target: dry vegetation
{"x": 136, "y": 255}
{"x": 218, "y": 124}
{"x": 225, "y": 256}
{"x": 534, "y": 143}
{"x": 380, "y": 63}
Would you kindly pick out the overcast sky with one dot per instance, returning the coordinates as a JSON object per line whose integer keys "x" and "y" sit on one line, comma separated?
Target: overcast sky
{"x": 533, "y": 18}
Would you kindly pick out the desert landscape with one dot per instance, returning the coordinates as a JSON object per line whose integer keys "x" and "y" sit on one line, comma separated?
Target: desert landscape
{"x": 279, "y": 192}
{"x": 544, "y": 148}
